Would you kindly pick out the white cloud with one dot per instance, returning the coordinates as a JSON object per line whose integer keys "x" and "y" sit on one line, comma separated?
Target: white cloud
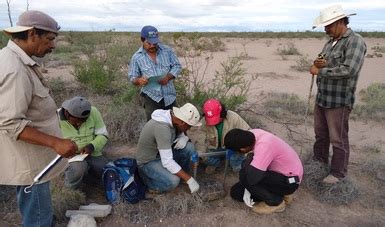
{"x": 196, "y": 15}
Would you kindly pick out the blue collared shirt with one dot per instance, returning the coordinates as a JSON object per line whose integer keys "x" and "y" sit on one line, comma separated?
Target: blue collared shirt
{"x": 166, "y": 62}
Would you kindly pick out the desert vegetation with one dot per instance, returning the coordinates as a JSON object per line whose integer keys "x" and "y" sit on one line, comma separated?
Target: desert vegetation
{"x": 98, "y": 63}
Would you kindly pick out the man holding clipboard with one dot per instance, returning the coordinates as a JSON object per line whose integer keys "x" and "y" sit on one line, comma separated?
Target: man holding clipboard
{"x": 153, "y": 67}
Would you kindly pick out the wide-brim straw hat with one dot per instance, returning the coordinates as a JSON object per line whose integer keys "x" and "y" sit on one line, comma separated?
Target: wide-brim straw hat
{"x": 330, "y": 15}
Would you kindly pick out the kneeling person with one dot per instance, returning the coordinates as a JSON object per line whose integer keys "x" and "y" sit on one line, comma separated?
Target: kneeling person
{"x": 83, "y": 124}
{"x": 269, "y": 175}
{"x": 161, "y": 164}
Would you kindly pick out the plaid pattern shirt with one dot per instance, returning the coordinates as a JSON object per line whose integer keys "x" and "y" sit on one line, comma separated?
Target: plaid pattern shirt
{"x": 166, "y": 62}
{"x": 337, "y": 82}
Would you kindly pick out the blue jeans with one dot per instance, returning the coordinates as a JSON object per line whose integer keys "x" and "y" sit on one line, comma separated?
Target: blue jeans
{"x": 158, "y": 178}
{"x": 76, "y": 171}
{"x": 235, "y": 161}
{"x": 36, "y": 206}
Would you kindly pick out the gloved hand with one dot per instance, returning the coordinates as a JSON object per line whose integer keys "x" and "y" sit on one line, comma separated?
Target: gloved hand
{"x": 247, "y": 198}
{"x": 193, "y": 185}
{"x": 181, "y": 141}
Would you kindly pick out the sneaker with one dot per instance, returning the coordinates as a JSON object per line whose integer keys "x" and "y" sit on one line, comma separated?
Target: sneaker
{"x": 330, "y": 179}
{"x": 263, "y": 208}
{"x": 210, "y": 169}
{"x": 288, "y": 199}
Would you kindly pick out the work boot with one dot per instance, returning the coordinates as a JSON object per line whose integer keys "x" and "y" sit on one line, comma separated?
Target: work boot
{"x": 288, "y": 199}
{"x": 210, "y": 169}
{"x": 330, "y": 179}
{"x": 263, "y": 208}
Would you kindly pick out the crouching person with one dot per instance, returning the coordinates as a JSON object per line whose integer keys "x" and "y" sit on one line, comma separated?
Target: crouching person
{"x": 83, "y": 124}
{"x": 269, "y": 175}
{"x": 164, "y": 151}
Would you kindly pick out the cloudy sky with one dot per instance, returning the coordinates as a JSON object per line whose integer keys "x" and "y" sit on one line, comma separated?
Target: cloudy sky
{"x": 196, "y": 15}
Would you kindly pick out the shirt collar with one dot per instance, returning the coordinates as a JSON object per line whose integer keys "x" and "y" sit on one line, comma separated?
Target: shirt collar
{"x": 27, "y": 60}
{"x": 346, "y": 34}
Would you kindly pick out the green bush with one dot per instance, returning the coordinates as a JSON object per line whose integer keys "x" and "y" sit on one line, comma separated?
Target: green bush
{"x": 373, "y": 98}
{"x": 93, "y": 75}
{"x": 229, "y": 84}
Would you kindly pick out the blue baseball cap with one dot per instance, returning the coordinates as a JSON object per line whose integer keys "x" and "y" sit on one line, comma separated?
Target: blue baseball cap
{"x": 150, "y": 34}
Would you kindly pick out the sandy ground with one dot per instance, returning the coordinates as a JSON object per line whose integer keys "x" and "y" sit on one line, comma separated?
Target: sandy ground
{"x": 276, "y": 74}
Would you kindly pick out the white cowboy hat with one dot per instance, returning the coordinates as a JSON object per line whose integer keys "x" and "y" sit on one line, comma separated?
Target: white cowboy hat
{"x": 188, "y": 113}
{"x": 330, "y": 15}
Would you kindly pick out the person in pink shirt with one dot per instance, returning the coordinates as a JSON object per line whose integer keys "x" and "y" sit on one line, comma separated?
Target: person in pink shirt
{"x": 270, "y": 174}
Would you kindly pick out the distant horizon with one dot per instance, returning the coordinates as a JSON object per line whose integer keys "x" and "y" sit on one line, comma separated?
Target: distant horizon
{"x": 197, "y": 15}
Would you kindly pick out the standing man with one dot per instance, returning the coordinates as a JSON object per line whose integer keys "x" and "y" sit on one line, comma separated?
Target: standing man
{"x": 161, "y": 165}
{"x": 337, "y": 76}
{"x": 153, "y": 68}
{"x": 29, "y": 127}
{"x": 83, "y": 123}
{"x": 269, "y": 175}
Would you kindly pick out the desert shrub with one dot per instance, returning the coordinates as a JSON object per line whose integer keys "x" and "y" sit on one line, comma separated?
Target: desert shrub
{"x": 64, "y": 199}
{"x": 197, "y": 44}
{"x": 303, "y": 64}
{"x": 124, "y": 120}
{"x": 281, "y": 104}
{"x": 102, "y": 72}
{"x": 229, "y": 85}
{"x": 373, "y": 98}
{"x": 378, "y": 48}
{"x": 93, "y": 75}
{"x": 288, "y": 49}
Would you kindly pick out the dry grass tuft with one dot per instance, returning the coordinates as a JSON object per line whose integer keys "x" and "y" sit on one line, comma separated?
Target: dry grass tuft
{"x": 375, "y": 168}
{"x": 160, "y": 207}
{"x": 64, "y": 199}
{"x": 342, "y": 192}
{"x": 314, "y": 172}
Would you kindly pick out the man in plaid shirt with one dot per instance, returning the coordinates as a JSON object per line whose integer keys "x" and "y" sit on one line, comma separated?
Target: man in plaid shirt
{"x": 337, "y": 69}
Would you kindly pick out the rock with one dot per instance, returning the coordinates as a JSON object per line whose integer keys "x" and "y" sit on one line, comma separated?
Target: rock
{"x": 81, "y": 220}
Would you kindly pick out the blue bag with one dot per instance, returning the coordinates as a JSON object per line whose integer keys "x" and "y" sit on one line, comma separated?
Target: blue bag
{"x": 121, "y": 180}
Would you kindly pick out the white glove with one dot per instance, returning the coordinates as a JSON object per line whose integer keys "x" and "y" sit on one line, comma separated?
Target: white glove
{"x": 181, "y": 141}
{"x": 247, "y": 198}
{"x": 193, "y": 185}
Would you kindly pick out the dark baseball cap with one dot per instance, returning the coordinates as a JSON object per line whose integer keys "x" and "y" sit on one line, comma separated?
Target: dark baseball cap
{"x": 150, "y": 34}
